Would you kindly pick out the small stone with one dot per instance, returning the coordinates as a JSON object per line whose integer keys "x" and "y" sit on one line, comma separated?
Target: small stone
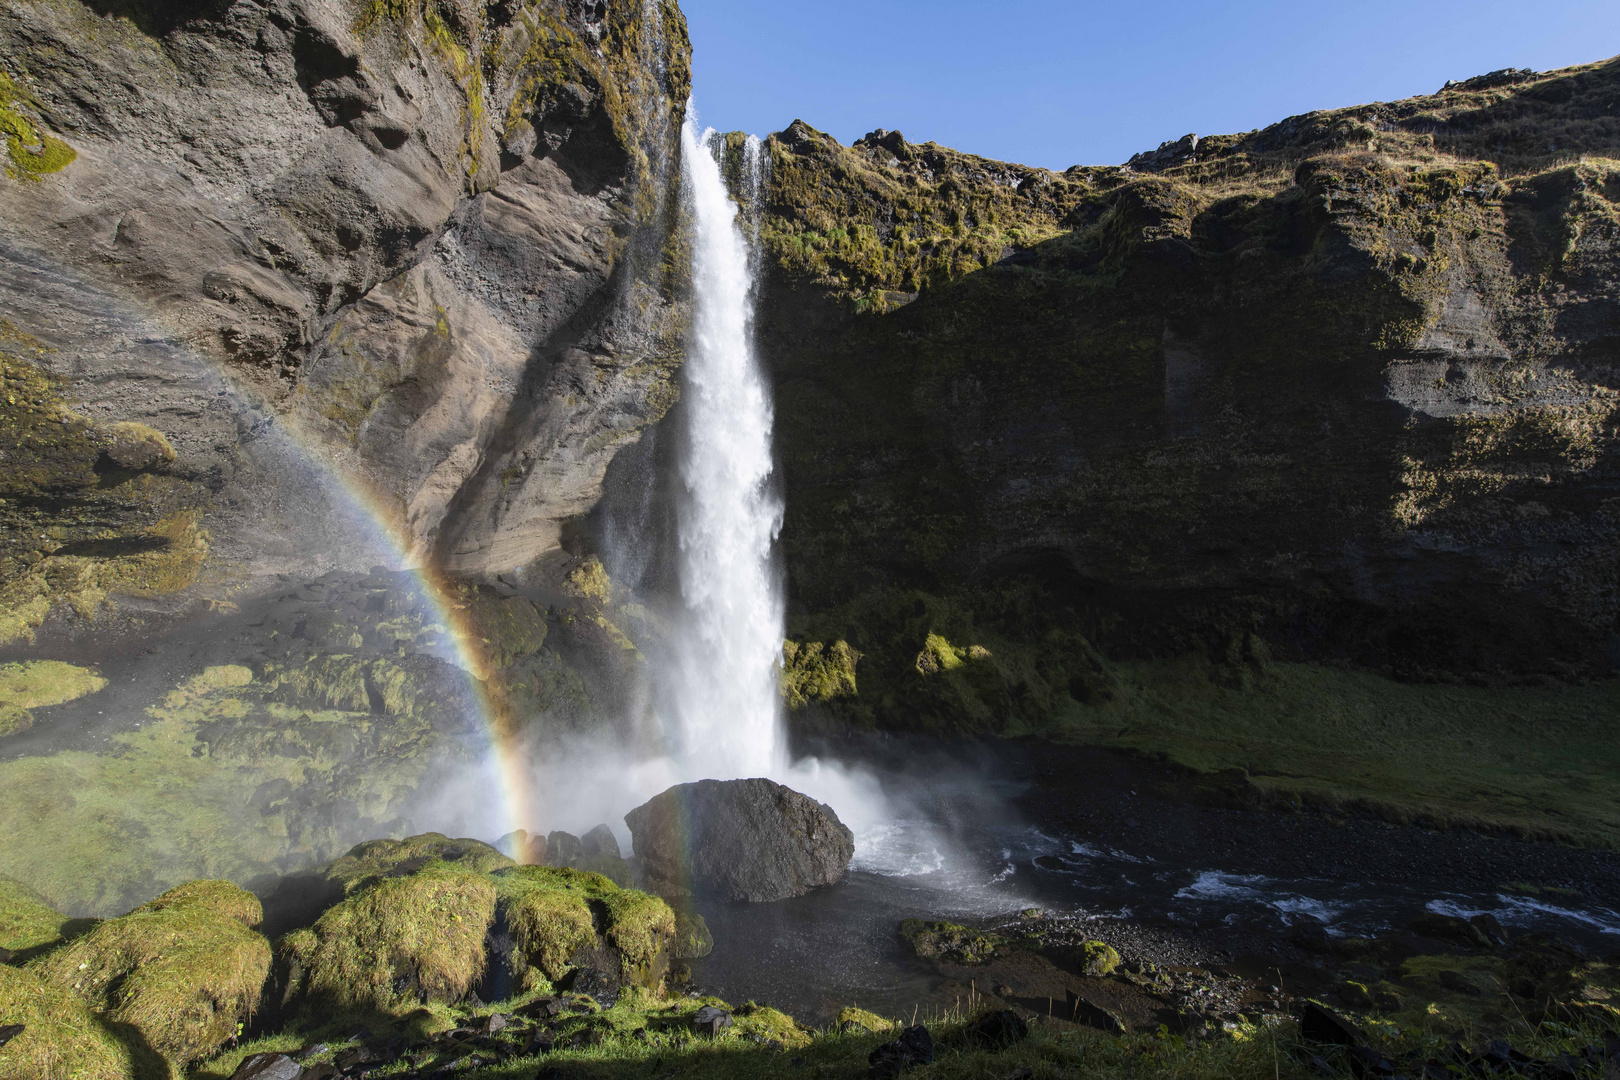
{"x": 710, "y": 1021}
{"x": 268, "y": 1067}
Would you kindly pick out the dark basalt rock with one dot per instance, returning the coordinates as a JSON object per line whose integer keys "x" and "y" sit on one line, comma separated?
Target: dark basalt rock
{"x": 914, "y": 1047}
{"x": 267, "y": 1067}
{"x": 996, "y": 1030}
{"x": 599, "y": 841}
{"x": 751, "y": 840}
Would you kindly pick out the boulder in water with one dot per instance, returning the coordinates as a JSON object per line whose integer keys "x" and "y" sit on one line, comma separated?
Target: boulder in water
{"x": 749, "y": 840}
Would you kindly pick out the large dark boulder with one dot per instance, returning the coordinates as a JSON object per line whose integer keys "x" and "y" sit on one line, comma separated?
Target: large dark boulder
{"x": 741, "y": 839}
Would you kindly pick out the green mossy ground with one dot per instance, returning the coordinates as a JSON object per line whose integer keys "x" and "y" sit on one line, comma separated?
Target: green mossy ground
{"x": 35, "y": 684}
{"x": 184, "y": 970}
{"x": 178, "y": 798}
{"x": 31, "y": 151}
{"x": 29, "y": 925}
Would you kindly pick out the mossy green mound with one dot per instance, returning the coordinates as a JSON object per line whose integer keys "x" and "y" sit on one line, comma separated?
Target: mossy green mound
{"x": 554, "y": 911}
{"x": 34, "y": 684}
{"x": 948, "y": 942}
{"x": 398, "y": 942}
{"x": 871, "y": 1021}
{"x": 366, "y": 863}
{"x": 27, "y": 922}
{"x": 183, "y": 970}
{"x": 61, "y": 1038}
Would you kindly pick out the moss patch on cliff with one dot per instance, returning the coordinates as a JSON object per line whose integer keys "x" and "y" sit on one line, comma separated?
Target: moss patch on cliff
{"x": 86, "y": 511}
{"x": 31, "y": 151}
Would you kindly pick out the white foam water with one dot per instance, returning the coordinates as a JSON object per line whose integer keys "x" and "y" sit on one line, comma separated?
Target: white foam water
{"x": 724, "y": 712}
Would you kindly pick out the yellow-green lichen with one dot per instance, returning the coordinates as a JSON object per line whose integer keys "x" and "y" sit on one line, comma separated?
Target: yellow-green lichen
{"x": 31, "y": 152}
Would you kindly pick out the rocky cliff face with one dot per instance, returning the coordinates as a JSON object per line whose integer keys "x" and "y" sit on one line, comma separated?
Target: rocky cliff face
{"x": 1342, "y": 390}
{"x": 424, "y": 242}
{"x": 288, "y": 290}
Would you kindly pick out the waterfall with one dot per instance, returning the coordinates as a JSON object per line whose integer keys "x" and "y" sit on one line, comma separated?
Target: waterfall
{"x": 723, "y": 707}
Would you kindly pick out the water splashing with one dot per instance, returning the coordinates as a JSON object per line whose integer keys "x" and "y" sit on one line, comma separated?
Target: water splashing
{"x": 724, "y": 705}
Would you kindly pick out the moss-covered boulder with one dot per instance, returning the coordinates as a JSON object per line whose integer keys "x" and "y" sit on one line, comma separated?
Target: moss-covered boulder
{"x": 375, "y": 859}
{"x": 555, "y": 912}
{"x": 948, "y": 942}
{"x": 397, "y": 943}
{"x": 434, "y": 932}
{"x": 183, "y": 970}
{"x": 61, "y": 1038}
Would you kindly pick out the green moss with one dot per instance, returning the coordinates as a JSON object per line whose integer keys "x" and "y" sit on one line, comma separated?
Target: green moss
{"x": 37, "y": 683}
{"x": 554, "y": 911}
{"x": 764, "y": 1024}
{"x": 549, "y": 916}
{"x": 183, "y": 970}
{"x": 27, "y": 922}
{"x": 948, "y": 942}
{"x": 871, "y": 1021}
{"x": 61, "y": 1038}
{"x": 31, "y": 152}
{"x": 508, "y": 628}
{"x": 172, "y": 799}
{"x": 367, "y": 863}
{"x": 399, "y": 942}
{"x": 813, "y": 671}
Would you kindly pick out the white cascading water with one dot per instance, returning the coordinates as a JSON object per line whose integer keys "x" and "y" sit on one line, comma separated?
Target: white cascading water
{"x": 724, "y": 705}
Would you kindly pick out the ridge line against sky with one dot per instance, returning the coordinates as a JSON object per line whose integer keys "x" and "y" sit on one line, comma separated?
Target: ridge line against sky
{"x": 1056, "y": 84}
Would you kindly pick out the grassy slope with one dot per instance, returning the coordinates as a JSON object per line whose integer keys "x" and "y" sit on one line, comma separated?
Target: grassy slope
{"x": 1544, "y": 762}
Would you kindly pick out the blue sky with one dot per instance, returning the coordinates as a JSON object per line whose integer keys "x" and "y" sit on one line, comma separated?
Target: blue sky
{"x": 1048, "y": 83}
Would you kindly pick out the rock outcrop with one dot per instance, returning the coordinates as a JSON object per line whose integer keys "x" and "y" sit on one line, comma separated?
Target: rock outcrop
{"x": 751, "y": 840}
{"x": 300, "y": 249}
{"x": 1339, "y": 389}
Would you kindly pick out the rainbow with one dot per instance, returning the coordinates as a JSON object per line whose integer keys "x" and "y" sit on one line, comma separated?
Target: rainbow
{"x": 518, "y": 799}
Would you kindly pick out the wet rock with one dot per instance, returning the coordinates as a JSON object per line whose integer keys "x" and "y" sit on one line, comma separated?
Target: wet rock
{"x": 1318, "y": 1024}
{"x": 268, "y": 1067}
{"x": 751, "y": 840}
{"x": 1310, "y": 934}
{"x": 997, "y": 1030}
{"x": 1083, "y": 1010}
{"x": 596, "y": 984}
{"x": 599, "y": 841}
{"x": 1487, "y": 924}
{"x": 563, "y": 849}
{"x": 710, "y": 1021}
{"x": 914, "y": 1047}
{"x": 1449, "y": 929}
